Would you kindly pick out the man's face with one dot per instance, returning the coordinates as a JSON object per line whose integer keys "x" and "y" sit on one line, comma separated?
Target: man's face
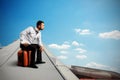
{"x": 41, "y": 27}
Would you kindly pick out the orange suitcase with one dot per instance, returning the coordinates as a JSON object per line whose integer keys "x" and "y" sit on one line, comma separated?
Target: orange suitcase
{"x": 24, "y": 58}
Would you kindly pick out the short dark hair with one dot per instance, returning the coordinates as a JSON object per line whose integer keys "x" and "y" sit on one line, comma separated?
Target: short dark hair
{"x": 39, "y": 23}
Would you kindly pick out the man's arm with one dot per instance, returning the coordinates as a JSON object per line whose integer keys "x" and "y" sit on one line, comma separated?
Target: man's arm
{"x": 23, "y": 36}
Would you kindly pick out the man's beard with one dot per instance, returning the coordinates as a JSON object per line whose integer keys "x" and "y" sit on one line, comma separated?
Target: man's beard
{"x": 41, "y": 29}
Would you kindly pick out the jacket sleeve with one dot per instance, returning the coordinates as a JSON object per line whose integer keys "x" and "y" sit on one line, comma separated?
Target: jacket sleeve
{"x": 23, "y": 36}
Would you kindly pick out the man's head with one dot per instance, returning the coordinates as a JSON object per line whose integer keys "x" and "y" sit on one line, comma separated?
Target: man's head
{"x": 40, "y": 25}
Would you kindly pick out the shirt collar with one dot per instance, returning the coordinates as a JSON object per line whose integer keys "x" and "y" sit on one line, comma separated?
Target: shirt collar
{"x": 36, "y": 29}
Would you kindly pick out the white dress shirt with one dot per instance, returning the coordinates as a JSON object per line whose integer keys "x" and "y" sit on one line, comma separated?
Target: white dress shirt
{"x": 31, "y": 35}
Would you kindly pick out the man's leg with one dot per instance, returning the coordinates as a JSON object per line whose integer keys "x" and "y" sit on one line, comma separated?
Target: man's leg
{"x": 32, "y": 63}
{"x": 29, "y": 47}
{"x": 39, "y": 56}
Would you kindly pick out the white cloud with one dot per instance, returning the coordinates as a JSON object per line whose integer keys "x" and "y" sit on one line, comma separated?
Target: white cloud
{"x": 62, "y": 57}
{"x": 113, "y": 35}
{"x": 95, "y": 65}
{"x": 56, "y": 46}
{"x": 75, "y": 43}
{"x": 83, "y": 32}
{"x": 80, "y": 50}
{"x": 81, "y": 56}
{"x": 100, "y": 66}
{"x": 63, "y": 52}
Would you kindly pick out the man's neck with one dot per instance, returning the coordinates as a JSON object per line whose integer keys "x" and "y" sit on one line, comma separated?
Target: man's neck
{"x": 37, "y": 29}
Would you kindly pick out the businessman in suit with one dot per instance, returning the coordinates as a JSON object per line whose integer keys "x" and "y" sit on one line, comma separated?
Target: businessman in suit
{"x": 30, "y": 39}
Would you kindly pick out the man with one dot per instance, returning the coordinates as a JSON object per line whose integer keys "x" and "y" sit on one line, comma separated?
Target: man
{"x": 30, "y": 39}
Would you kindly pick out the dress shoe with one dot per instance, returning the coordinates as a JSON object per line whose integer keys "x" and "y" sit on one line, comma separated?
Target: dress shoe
{"x": 39, "y": 62}
{"x": 33, "y": 66}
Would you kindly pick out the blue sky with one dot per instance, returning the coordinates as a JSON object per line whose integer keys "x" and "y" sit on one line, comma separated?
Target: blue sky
{"x": 78, "y": 32}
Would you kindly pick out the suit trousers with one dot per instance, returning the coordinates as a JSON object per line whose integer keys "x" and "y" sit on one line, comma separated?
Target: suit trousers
{"x": 33, "y": 48}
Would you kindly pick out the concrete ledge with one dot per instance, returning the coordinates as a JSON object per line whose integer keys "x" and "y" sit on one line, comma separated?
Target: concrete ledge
{"x": 64, "y": 70}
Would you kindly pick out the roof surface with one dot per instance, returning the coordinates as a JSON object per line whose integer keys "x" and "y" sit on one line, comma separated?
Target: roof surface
{"x": 53, "y": 69}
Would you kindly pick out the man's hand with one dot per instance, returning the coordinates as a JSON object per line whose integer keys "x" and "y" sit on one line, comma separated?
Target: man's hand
{"x": 41, "y": 48}
{"x": 25, "y": 44}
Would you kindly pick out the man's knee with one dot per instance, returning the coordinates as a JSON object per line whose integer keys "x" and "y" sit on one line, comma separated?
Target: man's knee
{"x": 32, "y": 48}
